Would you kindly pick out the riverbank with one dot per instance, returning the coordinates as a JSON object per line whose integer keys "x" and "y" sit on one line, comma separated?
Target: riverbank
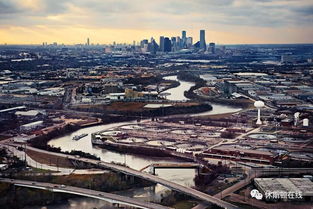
{"x": 199, "y": 83}
{"x": 141, "y": 150}
{"x": 135, "y": 109}
{"x": 42, "y": 140}
{"x": 242, "y": 103}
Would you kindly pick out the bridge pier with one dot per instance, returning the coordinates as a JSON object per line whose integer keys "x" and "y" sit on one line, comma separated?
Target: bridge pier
{"x": 130, "y": 179}
{"x": 116, "y": 205}
{"x": 152, "y": 170}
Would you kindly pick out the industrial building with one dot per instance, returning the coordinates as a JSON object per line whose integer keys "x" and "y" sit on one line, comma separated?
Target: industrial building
{"x": 31, "y": 126}
{"x": 285, "y": 188}
{"x": 234, "y": 153}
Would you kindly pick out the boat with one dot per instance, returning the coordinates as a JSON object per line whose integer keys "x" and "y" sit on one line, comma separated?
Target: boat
{"x": 78, "y": 137}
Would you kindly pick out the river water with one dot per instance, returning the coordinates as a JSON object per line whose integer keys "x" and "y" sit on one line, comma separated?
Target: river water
{"x": 180, "y": 176}
{"x": 178, "y": 94}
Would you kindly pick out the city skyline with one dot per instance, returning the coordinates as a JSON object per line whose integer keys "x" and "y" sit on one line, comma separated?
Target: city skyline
{"x": 225, "y": 22}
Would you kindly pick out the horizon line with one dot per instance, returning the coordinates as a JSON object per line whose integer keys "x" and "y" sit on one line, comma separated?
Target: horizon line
{"x": 102, "y": 44}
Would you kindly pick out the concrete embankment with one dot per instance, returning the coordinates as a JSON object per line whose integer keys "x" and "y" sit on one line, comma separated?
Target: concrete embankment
{"x": 144, "y": 150}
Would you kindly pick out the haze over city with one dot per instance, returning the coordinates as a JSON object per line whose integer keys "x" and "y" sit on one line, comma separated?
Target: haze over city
{"x": 123, "y": 21}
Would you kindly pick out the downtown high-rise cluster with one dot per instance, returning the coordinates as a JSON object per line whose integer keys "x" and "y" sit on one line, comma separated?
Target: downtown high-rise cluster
{"x": 178, "y": 43}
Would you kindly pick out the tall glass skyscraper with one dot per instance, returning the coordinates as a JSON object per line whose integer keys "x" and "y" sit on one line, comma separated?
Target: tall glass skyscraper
{"x": 184, "y": 39}
{"x": 202, "y": 40}
{"x": 167, "y": 45}
{"x": 184, "y": 34}
{"x": 162, "y": 43}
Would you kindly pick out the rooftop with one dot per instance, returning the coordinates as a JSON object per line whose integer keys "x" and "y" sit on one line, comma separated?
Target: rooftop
{"x": 303, "y": 185}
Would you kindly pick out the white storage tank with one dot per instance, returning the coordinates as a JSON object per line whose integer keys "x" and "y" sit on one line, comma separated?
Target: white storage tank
{"x": 305, "y": 122}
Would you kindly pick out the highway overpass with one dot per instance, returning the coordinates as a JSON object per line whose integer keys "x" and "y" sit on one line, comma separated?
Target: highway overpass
{"x": 129, "y": 171}
{"x": 171, "y": 165}
{"x": 112, "y": 198}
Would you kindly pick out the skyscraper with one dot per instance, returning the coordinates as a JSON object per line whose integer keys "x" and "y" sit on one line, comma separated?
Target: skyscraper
{"x": 88, "y": 42}
{"x": 167, "y": 45}
{"x": 184, "y": 34}
{"x": 189, "y": 42}
{"x": 178, "y": 42}
{"x": 202, "y": 40}
{"x": 153, "y": 46}
{"x": 162, "y": 43}
{"x": 212, "y": 48}
{"x": 174, "y": 44}
{"x": 184, "y": 39}
{"x": 143, "y": 43}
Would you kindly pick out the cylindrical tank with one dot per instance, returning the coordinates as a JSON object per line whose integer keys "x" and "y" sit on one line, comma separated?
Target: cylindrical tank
{"x": 305, "y": 122}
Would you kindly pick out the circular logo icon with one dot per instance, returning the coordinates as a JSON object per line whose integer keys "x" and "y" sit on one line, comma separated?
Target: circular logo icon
{"x": 254, "y": 192}
{"x": 259, "y": 196}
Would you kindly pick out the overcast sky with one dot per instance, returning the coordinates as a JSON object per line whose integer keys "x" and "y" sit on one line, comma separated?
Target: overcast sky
{"x": 105, "y": 21}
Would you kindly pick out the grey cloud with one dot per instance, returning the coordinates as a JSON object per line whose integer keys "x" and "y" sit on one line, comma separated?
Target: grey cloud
{"x": 305, "y": 10}
{"x": 7, "y": 7}
{"x": 126, "y": 13}
{"x": 55, "y": 7}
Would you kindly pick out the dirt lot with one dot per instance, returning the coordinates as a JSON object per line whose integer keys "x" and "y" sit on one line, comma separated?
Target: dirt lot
{"x": 129, "y": 106}
{"x": 126, "y": 106}
{"x": 49, "y": 159}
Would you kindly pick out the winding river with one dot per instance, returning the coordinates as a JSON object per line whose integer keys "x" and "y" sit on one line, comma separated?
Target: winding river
{"x": 178, "y": 94}
{"x": 180, "y": 176}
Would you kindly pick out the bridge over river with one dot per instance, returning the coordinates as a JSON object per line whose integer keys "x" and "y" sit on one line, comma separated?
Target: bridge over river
{"x": 112, "y": 198}
{"x": 132, "y": 172}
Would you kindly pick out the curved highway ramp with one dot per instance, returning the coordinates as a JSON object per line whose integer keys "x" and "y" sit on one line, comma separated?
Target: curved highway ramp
{"x": 129, "y": 171}
{"x": 112, "y": 198}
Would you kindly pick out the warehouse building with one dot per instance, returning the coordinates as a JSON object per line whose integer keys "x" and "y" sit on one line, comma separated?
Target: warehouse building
{"x": 286, "y": 189}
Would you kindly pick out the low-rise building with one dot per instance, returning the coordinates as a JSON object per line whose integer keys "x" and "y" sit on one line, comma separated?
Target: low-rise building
{"x": 240, "y": 154}
{"x": 31, "y": 126}
{"x": 285, "y": 188}
{"x": 3, "y": 167}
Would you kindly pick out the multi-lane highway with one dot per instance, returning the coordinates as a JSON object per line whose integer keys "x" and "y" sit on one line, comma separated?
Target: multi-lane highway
{"x": 112, "y": 198}
{"x": 129, "y": 171}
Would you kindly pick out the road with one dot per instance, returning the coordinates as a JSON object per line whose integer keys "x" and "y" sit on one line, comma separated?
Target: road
{"x": 112, "y": 198}
{"x": 255, "y": 173}
{"x": 129, "y": 171}
{"x": 251, "y": 175}
{"x": 232, "y": 141}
